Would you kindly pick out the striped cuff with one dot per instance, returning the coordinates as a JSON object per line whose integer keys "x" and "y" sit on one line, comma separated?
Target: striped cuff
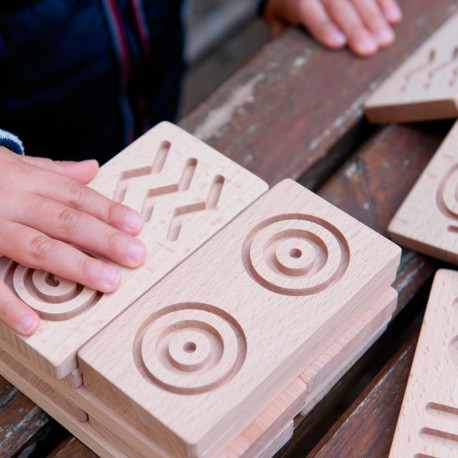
{"x": 261, "y": 7}
{"x": 11, "y": 142}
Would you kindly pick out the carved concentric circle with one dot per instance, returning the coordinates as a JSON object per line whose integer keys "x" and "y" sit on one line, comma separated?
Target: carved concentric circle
{"x": 52, "y": 297}
{"x": 448, "y": 192}
{"x": 296, "y": 254}
{"x": 191, "y": 348}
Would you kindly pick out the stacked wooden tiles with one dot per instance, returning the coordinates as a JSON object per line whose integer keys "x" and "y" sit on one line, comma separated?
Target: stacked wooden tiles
{"x": 428, "y": 219}
{"x": 210, "y": 351}
{"x": 425, "y": 87}
{"x": 428, "y": 422}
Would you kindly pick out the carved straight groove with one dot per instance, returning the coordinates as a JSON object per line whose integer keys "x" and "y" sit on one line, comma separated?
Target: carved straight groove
{"x": 161, "y": 157}
{"x": 158, "y": 165}
{"x": 211, "y": 203}
{"x": 446, "y": 412}
{"x": 188, "y": 174}
{"x": 440, "y": 437}
{"x": 428, "y": 421}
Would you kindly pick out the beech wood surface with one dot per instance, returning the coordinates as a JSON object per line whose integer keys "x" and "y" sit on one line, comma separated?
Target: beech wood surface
{"x": 303, "y": 122}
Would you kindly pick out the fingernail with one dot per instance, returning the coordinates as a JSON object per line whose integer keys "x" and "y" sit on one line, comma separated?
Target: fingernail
{"x": 385, "y": 36}
{"x": 393, "y": 13}
{"x": 111, "y": 276}
{"x": 28, "y": 323}
{"x": 133, "y": 221}
{"x": 337, "y": 37}
{"x": 136, "y": 252}
{"x": 365, "y": 44}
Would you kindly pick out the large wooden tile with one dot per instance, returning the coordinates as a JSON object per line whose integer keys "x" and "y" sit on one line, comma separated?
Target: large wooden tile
{"x": 428, "y": 219}
{"x": 186, "y": 191}
{"x": 220, "y": 338}
{"x": 428, "y": 422}
{"x": 425, "y": 86}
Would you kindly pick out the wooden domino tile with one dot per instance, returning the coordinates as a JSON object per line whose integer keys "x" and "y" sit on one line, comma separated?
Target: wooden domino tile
{"x": 425, "y": 86}
{"x": 427, "y": 221}
{"x": 232, "y": 325}
{"x": 186, "y": 192}
{"x": 306, "y": 391}
{"x": 428, "y": 422}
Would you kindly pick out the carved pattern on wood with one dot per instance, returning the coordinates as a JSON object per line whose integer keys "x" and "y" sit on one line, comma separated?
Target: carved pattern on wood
{"x": 428, "y": 422}
{"x": 211, "y": 334}
{"x": 52, "y": 297}
{"x": 425, "y": 86}
{"x": 296, "y": 255}
{"x": 186, "y": 192}
{"x": 190, "y": 348}
{"x": 427, "y": 221}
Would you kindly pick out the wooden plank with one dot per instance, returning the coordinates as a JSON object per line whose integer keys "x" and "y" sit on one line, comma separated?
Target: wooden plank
{"x": 186, "y": 192}
{"x": 72, "y": 447}
{"x": 425, "y": 86}
{"x": 298, "y": 255}
{"x": 428, "y": 422}
{"x": 428, "y": 218}
{"x": 286, "y": 114}
{"x": 360, "y": 432}
{"x": 21, "y": 419}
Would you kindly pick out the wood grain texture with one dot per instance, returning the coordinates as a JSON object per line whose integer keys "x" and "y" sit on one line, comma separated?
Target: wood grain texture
{"x": 347, "y": 348}
{"x": 369, "y": 188}
{"x": 257, "y": 438}
{"x": 428, "y": 422}
{"x": 285, "y": 115}
{"x": 428, "y": 219}
{"x": 425, "y": 86}
{"x": 368, "y": 426}
{"x": 186, "y": 192}
{"x": 15, "y": 435}
{"x": 72, "y": 447}
{"x": 263, "y": 264}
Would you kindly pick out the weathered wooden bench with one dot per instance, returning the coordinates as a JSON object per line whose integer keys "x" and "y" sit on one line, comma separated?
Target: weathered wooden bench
{"x": 295, "y": 110}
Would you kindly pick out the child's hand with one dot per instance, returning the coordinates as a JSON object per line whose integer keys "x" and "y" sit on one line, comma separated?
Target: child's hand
{"x": 365, "y": 25}
{"x": 44, "y": 206}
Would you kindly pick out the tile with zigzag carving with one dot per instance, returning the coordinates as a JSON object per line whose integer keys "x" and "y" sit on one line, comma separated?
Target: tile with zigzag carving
{"x": 186, "y": 192}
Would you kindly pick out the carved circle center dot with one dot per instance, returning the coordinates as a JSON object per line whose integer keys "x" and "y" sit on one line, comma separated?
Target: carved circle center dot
{"x": 295, "y": 253}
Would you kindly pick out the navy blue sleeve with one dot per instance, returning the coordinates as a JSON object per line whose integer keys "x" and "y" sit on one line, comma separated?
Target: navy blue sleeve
{"x": 261, "y": 7}
{"x": 11, "y": 142}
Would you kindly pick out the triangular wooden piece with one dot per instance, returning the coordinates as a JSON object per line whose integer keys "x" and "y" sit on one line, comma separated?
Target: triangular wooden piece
{"x": 427, "y": 221}
{"x": 425, "y": 86}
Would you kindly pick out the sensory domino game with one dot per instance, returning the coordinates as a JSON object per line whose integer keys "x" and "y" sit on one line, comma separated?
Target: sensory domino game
{"x": 427, "y": 221}
{"x": 250, "y": 306}
{"x": 425, "y": 86}
{"x": 428, "y": 422}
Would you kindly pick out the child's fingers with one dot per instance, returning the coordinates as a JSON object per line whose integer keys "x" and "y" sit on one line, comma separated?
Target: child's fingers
{"x": 314, "y": 17}
{"x": 15, "y": 314}
{"x": 82, "y": 229}
{"x": 344, "y": 14}
{"x": 75, "y": 195}
{"x": 36, "y": 250}
{"x": 375, "y": 21}
{"x": 82, "y": 171}
{"x": 391, "y": 10}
